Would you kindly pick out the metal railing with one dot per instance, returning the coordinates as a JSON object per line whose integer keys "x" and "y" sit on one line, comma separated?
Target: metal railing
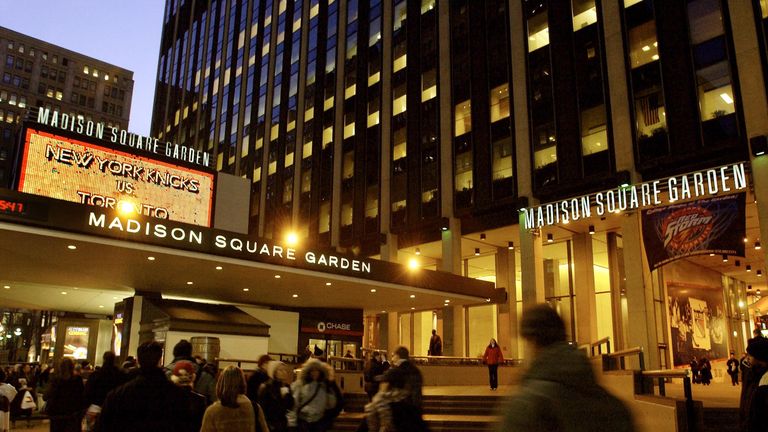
{"x": 606, "y": 341}
{"x": 617, "y": 360}
{"x": 346, "y": 363}
{"x": 647, "y": 379}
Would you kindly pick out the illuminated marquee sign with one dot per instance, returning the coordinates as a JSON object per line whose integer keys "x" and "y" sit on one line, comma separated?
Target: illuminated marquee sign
{"x": 63, "y": 168}
{"x": 707, "y": 183}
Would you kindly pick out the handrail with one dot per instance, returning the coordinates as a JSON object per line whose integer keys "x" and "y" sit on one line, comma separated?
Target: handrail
{"x": 616, "y": 360}
{"x": 662, "y": 375}
{"x": 599, "y": 345}
{"x": 667, "y": 373}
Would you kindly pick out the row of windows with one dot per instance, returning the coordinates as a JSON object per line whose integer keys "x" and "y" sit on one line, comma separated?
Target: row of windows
{"x": 9, "y": 116}
{"x": 13, "y": 99}
{"x": 32, "y": 52}
{"x": 50, "y": 91}
{"x": 16, "y": 81}
{"x": 53, "y": 74}
{"x": 114, "y": 92}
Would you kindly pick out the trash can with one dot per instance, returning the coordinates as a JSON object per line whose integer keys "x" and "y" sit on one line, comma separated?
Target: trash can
{"x": 206, "y": 347}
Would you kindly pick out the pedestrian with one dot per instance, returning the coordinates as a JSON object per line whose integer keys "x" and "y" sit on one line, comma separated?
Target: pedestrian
{"x": 205, "y": 384}
{"x": 275, "y": 396}
{"x": 744, "y": 367}
{"x": 705, "y": 371}
{"x": 312, "y": 396}
{"x": 7, "y": 394}
{"x": 65, "y": 398}
{"x": 103, "y": 380}
{"x": 258, "y": 377}
{"x": 184, "y": 374}
{"x": 373, "y": 368}
{"x": 558, "y": 391}
{"x": 695, "y": 371}
{"x": 754, "y": 402}
{"x": 404, "y": 374}
{"x": 435, "y": 345}
{"x": 233, "y": 411}
{"x": 492, "y": 358}
{"x": 149, "y": 402}
{"x": 23, "y": 381}
{"x": 733, "y": 369}
{"x": 182, "y": 351}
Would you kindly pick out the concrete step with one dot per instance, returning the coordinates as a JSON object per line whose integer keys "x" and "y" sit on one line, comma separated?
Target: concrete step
{"x": 436, "y": 423}
{"x": 455, "y": 405}
{"x": 721, "y": 420}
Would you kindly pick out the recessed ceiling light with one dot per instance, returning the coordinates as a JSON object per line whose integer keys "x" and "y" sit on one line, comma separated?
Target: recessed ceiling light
{"x": 71, "y": 247}
{"x": 413, "y": 295}
{"x": 447, "y": 301}
{"x": 7, "y": 286}
{"x": 295, "y": 296}
{"x": 327, "y": 284}
{"x": 219, "y": 267}
{"x": 114, "y": 298}
{"x": 413, "y": 308}
{"x": 383, "y": 311}
{"x": 246, "y": 289}
{"x": 101, "y": 306}
{"x": 277, "y": 276}
{"x": 190, "y": 283}
{"x": 373, "y": 289}
{"x": 63, "y": 293}
{"x": 150, "y": 258}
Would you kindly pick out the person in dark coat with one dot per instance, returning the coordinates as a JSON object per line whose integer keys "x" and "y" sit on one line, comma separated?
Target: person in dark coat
{"x": 149, "y": 402}
{"x": 65, "y": 398}
{"x": 492, "y": 358}
{"x": 182, "y": 351}
{"x": 754, "y": 401}
{"x": 695, "y": 371}
{"x": 405, "y": 375}
{"x": 733, "y": 369}
{"x": 559, "y": 391}
{"x": 275, "y": 397}
{"x": 258, "y": 377}
{"x": 435, "y": 345}
{"x": 373, "y": 368}
{"x": 101, "y": 382}
{"x": 705, "y": 370}
{"x": 24, "y": 381}
{"x": 184, "y": 375}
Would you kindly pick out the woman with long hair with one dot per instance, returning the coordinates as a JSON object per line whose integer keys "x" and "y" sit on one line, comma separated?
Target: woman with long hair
{"x": 492, "y": 358}
{"x": 233, "y": 412}
{"x": 65, "y": 398}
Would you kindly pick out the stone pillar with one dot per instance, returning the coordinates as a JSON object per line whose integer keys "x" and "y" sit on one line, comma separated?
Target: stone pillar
{"x": 640, "y": 307}
{"x": 615, "y": 261}
{"x": 508, "y": 319}
{"x": 584, "y": 288}
{"x": 453, "y": 316}
{"x": 393, "y": 326}
{"x": 531, "y": 265}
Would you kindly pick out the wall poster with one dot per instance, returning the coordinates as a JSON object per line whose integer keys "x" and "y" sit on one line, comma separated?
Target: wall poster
{"x": 698, "y": 324}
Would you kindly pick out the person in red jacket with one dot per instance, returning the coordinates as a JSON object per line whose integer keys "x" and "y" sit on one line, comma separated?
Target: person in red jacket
{"x": 492, "y": 358}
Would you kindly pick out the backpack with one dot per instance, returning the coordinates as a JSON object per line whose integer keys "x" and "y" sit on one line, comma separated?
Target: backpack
{"x": 331, "y": 413}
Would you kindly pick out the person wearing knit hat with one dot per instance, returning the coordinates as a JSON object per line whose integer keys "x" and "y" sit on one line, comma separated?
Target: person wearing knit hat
{"x": 275, "y": 396}
{"x": 183, "y": 375}
{"x": 754, "y": 404}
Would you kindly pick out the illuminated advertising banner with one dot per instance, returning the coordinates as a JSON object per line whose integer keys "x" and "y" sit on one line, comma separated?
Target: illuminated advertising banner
{"x": 59, "y": 167}
{"x": 76, "y": 343}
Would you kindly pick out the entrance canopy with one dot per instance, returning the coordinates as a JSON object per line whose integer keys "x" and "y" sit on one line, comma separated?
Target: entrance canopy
{"x": 66, "y": 256}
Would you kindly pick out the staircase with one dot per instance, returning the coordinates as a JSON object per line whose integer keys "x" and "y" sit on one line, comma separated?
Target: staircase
{"x": 442, "y": 413}
{"x": 721, "y": 420}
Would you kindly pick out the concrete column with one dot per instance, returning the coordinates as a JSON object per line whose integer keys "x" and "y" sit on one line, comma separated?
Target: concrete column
{"x": 388, "y": 250}
{"x": 393, "y": 330}
{"x": 584, "y": 288}
{"x": 508, "y": 319}
{"x": 615, "y": 262}
{"x": 338, "y": 125}
{"x": 640, "y": 308}
{"x": 531, "y": 265}
{"x": 453, "y": 316}
{"x": 451, "y": 242}
{"x": 621, "y": 122}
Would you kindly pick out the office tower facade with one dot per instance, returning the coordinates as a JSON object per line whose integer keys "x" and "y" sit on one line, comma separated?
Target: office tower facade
{"x": 417, "y": 129}
{"x": 36, "y": 73}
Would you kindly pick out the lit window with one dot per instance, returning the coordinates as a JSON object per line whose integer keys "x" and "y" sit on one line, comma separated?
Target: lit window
{"x": 328, "y": 104}
{"x": 306, "y": 150}
{"x": 373, "y": 119}
{"x": 350, "y": 91}
{"x": 399, "y": 100}
{"x": 309, "y": 114}
{"x": 584, "y": 13}
{"x": 500, "y": 102}
{"x": 428, "y": 85}
{"x": 545, "y": 157}
{"x": 327, "y": 136}
{"x": 85, "y": 70}
{"x": 427, "y": 5}
{"x": 349, "y": 125}
{"x": 463, "y": 118}
{"x": 538, "y": 32}
{"x": 399, "y": 15}
{"x": 400, "y": 58}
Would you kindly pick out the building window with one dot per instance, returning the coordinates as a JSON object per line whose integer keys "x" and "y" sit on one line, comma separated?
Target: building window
{"x": 399, "y": 100}
{"x": 499, "y": 102}
{"x": 399, "y": 54}
{"x": 428, "y": 85}
{"x": 462, "y": 118}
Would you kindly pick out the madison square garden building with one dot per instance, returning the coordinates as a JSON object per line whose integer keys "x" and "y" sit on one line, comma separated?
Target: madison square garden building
{"x": 604, "y": 156}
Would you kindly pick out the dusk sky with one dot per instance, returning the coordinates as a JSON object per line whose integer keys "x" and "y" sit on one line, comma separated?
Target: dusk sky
{"x": 124, "y": 33}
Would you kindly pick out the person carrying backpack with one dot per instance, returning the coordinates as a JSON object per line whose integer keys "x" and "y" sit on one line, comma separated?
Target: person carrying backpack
{"x": 315, "y": 396}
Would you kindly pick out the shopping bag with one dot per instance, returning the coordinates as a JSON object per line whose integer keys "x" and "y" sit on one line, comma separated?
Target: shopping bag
{"x": 28, "y": 402}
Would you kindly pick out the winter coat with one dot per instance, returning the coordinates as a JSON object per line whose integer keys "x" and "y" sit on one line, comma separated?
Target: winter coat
{"x": 406, "y": 376}
{"x": 559, "y": 393}
{"x": 276, "y": 403}
{"x": 169, "y": 369}
{"x": 7, "y": 394}
{"x": 750, "y": 399}
{"x": 757, "y": 406}
{"x": 257, "y": 378}
{"x": 307, "y": 407}
{"x": 493, "y": 355}
{"x": 149, "y": 402}
{"x": 206, "y": 385}
{"x": 373, "y": 369}
{"x": 435, "y": 346}
{"x": 101, "y": 382}
{"x": 65, "y": 398}
{"x": 219, "y": 418}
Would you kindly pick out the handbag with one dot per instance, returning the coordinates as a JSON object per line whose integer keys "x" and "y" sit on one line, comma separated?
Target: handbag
{"x": 28, "y": 402}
